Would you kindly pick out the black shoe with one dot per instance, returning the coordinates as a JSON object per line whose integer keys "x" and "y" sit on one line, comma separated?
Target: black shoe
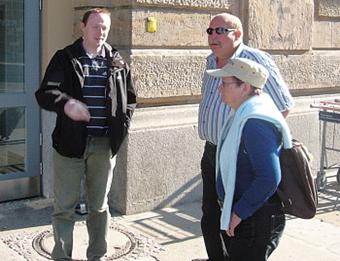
{"x": 81, "y": 209}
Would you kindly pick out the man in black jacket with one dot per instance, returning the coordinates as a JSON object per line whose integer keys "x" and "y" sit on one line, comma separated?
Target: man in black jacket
{"x": 89, "y": 87}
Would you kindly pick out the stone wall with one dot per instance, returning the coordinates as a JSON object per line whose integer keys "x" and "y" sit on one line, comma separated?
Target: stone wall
{"x": 159, "y": 163}
{"x": 279, "y": 25}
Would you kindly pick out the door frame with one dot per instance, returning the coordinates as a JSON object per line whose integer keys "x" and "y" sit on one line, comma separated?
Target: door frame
{"x": 27, "y": 183}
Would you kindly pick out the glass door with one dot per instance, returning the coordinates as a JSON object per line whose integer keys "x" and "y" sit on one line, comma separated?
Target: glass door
{"x": 19, "y": 113}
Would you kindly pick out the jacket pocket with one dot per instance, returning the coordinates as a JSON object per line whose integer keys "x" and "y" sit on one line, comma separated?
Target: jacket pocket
{"x": 69, "y": 138}
{"x": 118, "y": 131}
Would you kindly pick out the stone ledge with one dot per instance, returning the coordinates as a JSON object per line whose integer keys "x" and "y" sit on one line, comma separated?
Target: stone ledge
{"x": 316, "y": 70}
{"x": 212, "y": 4}
{"x": 161, "y": 117}
{"x": 216, "y": 4}
{"x": 101, "y": 3}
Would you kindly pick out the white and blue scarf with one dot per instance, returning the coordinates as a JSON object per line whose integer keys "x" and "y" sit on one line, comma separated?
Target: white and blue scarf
{"x": 259, "y": 107}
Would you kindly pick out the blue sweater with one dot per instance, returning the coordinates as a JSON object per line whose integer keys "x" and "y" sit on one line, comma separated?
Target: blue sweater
{"x": 256, "y": 107}
{"x": 258, "y": 167}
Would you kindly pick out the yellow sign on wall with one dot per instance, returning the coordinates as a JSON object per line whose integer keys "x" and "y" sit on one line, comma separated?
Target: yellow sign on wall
{"x": 152, "y": 24}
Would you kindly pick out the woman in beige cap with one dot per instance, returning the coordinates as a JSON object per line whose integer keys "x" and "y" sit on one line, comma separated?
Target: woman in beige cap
{"x": 248, "y": 168}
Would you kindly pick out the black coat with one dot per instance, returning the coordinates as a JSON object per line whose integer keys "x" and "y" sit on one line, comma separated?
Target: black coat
{"x": 64, "y": 79}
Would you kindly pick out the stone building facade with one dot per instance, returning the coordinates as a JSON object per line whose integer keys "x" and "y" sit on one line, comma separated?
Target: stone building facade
{"x": 159, "y": 163}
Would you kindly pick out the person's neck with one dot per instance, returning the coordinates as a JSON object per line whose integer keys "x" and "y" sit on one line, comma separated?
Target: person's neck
{"x": 93, "y": 51}
{"x": 243, "y": 100}
{"x": 222, "y": 60}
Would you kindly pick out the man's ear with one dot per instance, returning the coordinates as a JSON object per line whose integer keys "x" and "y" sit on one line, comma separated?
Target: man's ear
{"x": 81, "y": 26}
{"x": 238, "y": 34}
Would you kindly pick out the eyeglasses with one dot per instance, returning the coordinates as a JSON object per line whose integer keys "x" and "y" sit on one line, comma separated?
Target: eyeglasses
{"x": 225, "y": 84}
{"x": 220, "y": 30}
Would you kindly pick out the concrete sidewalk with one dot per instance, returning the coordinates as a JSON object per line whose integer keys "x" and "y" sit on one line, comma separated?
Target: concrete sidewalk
{"x": 167, "y": 234}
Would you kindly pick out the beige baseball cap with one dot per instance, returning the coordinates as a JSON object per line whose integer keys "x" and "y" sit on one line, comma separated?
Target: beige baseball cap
{"x": 244, "y": 69}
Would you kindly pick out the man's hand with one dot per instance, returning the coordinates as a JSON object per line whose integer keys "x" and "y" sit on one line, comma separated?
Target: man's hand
{"x": 76, "y": 110}
{"x": 234, "y": 222}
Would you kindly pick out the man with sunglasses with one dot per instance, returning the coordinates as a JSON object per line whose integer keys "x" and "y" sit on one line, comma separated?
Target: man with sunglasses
{"x": 225, "y": 38}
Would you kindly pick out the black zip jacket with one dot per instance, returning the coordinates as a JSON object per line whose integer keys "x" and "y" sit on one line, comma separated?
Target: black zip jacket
{"x": 64, "y": 79}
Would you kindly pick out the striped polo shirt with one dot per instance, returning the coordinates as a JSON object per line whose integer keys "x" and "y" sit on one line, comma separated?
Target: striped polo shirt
{"x": 96, "y": 75}
{"x": 213, "y": 112}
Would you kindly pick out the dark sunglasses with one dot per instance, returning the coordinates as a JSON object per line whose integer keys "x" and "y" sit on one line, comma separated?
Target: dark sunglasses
{"x": 219, "y": 30}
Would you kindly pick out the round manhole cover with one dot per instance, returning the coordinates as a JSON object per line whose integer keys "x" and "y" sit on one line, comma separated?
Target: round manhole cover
{"x": 121, "y": 242}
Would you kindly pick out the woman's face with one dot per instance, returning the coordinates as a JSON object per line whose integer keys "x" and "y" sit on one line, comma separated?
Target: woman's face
{"x": 233, "y": 91}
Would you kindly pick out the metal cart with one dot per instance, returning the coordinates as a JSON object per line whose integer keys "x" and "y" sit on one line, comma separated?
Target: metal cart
{"x": 329, "y": 113}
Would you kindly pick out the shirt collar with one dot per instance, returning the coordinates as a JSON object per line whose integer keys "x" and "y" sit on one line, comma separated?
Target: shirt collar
{"x": 238, "y": 51}
{"x": 100, "y": 54}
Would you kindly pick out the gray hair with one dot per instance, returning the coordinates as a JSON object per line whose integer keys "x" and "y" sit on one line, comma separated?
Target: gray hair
{"x": 232, "y": 20}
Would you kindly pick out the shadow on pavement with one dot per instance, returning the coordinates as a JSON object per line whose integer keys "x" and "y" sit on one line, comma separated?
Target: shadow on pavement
{"x": 179, "y": 223}
{"x": 173, "y": 224}
{"x": 28, "y": 213}
{"x": 329, "y": 198}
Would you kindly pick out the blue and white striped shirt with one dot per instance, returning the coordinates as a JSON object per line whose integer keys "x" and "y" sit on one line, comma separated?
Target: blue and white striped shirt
{"x": 213, "y": 112}
{"x": 96, "y": 75}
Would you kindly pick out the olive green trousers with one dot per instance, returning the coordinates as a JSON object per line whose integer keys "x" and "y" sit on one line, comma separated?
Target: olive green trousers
{"x": 96, "y": 166}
